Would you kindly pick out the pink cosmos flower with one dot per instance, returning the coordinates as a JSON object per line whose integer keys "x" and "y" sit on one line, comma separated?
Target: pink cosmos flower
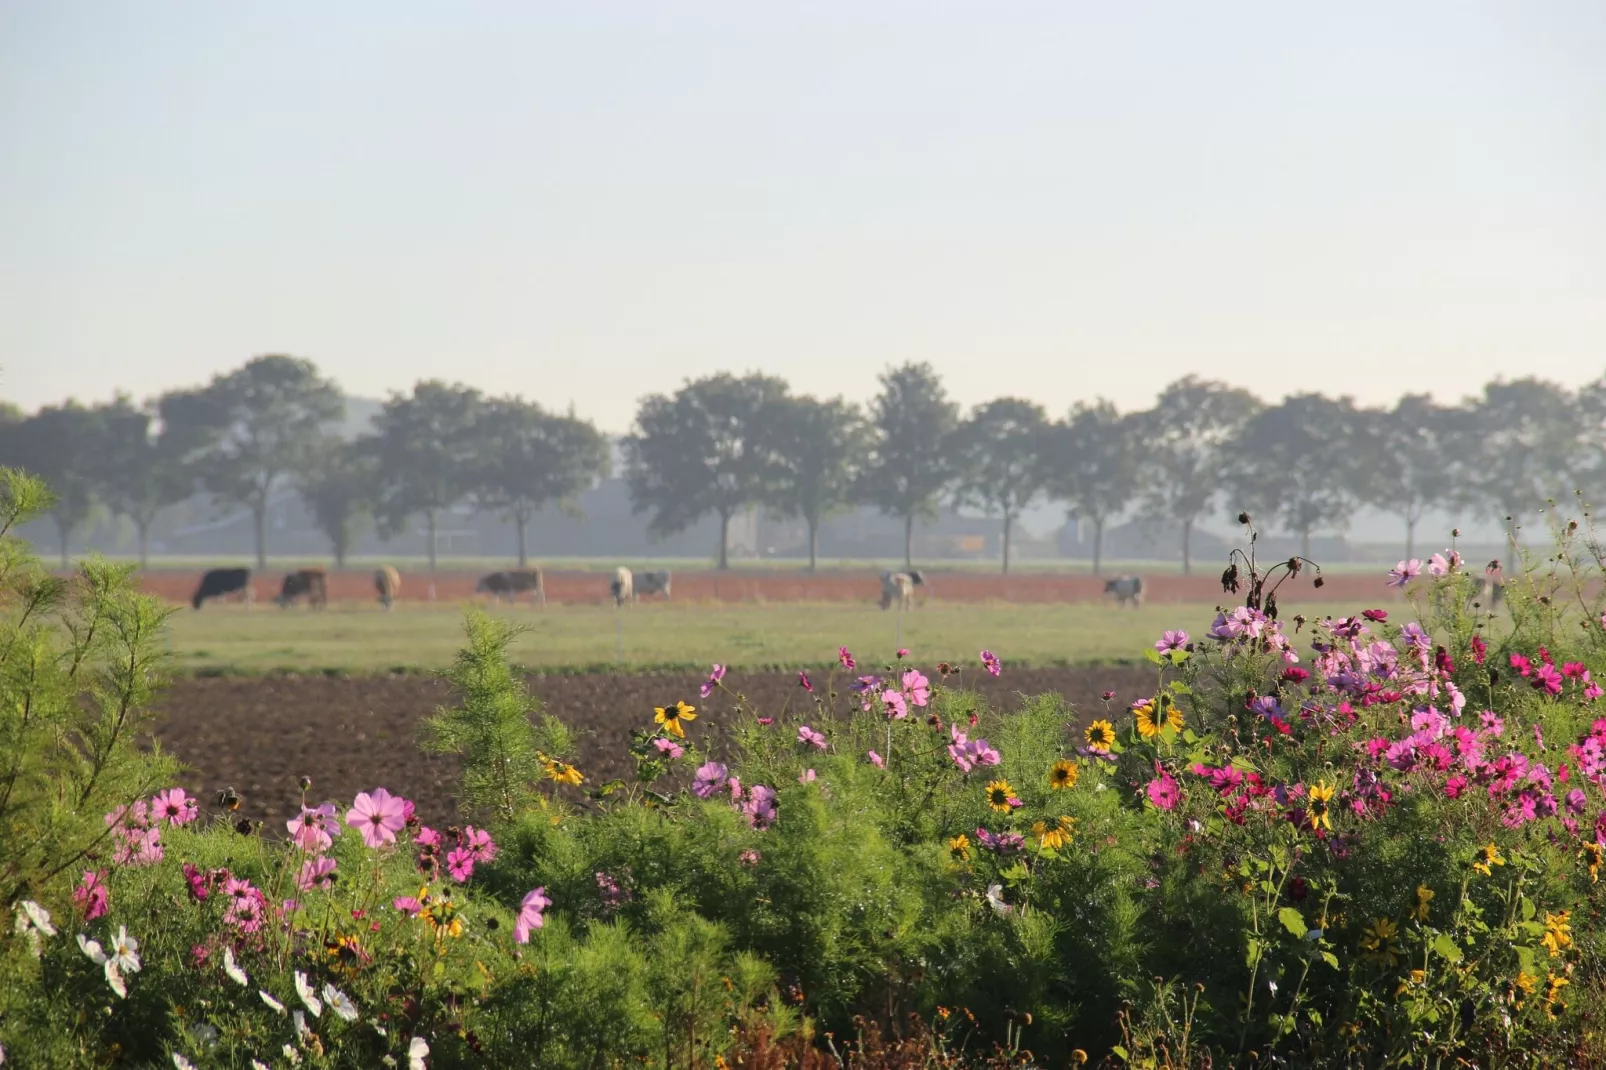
{"x": 1572, "y": 670}
{"x": 1546, "y": 679}
{"x": 174, "y": 806}
{"x": 316, "y": 873}
{"x": 1454, "y": 786}
{"x": 803, "y": 681}
{"x": 750, "y": 857}
{"x": 806, "y": 777}
{"x": 848, "y": 663}
{"x": 460, "y": 864}
{"x": 407, "y": 905}
{"x": 876, "y": 760}
{"x": 1162, "y": 792}
{"x": 314, "y": 830}
{"x": 990, "y": 660}
{"x": 379, "y": 816}
{"x": 1576, "y": 801}
{"x": 478, "y": 843}
{"x": 91, "y": 897}
{"x": 1437, "y": 565}
{"x": 246, "y": 905}
{"x": 609, "y": 890}
{"x": 760, "y": 806}
{"x": 1375, "y": 614}
{"x": 136, "y": 816}
{"x": 897, "y": 707}
{"x": 427, "y": 837}
{"x": 916, "y": 687}
{"x": 1592, "y": 690}
{"x": 197, "y": 882}
{"x": 903, "y": 652}
{"x": 707, "y": 779}
{"x": 712, "y": 682}
{"x": 1170, "y": 641}
{"x": 530, "y": 917}
{"x": 668, "y": 747}
{"x": 805, "y": 734}
{"x": 1404, "y": 572}
{"x": 140, "y": 847}
{"x": 765, "y": 722}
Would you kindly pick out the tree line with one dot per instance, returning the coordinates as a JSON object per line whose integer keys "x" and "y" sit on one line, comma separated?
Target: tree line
{"x": 726, "y": 443}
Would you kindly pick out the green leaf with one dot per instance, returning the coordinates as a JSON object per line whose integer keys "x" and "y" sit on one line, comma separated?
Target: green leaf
{"x": 1330, "y": 958}
{"x": 1446, "y": 948}
{"x": 1189, "y": 736}
{"x": 1528, "y": 909}
{"x": 1120, "y": 1053}
{"x": 1293, "y": 921}
{"x": 1525, "y": 958}
{"x": 1179, "y": 656}
{"x": 1252, "y": 951}
{"x": 1153, "y": 655}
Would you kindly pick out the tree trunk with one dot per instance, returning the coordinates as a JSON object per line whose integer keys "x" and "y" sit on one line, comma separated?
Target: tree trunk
{"x": 1098, "y": 544}
{"x": 338, "y": 544}
{"x": 908, "y": 540}
{"x": 1304, "y": 544}
{"x": 61, "y": 532}
{"x": 1410, "y": 535}
{"x": 1187, "y": 552}
{"x": 259, "y": 516}
{"x": 429, "y": 523}
{"x": 1007, "y": 520}
{"x": 814, "y": 542}
{"x": 143, "y": 527}
{"x": 724, "y": 539}
{"x": 523, "y": 523}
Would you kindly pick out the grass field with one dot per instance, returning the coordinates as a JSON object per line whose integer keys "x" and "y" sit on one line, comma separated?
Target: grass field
{"x": 229, "y": 639}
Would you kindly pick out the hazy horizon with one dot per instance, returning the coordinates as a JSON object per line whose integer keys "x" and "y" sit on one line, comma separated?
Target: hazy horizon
{"x": 587, "y": 204}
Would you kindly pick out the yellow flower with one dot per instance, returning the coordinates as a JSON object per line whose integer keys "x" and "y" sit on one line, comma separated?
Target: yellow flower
{"x": 1063, "y": 775}
{"x": 1418, "y": 976}
{"x": 959, "y": 847}
{"x": 1053, "y": 836}
{"x": 1321, "y": 793}
{"x": 1424, "y": 896}
{"x": 999, "y": 794}
{"x": 671, "y": 716}
{"x": 1558, "y": 934}
{"x": 1526, "y": 982}
{"x": 1590, "y": 856}
{"x": 1100, "y": 736}
{"x": 1553, "y": 987}
{"x": 1486, "y": 857}
{"x": 562, "y": 772}
{"x": 1151, "y": 723}
{"x": 1148, "y": 723}
{"x": 441, "y": 914}
{"x": 1377, "y": 941}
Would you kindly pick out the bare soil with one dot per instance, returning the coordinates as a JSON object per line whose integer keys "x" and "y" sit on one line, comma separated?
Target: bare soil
{"x": 260, "y": 735}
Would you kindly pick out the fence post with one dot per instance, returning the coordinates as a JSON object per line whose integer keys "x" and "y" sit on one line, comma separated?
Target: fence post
{"x": 618, "y": 635}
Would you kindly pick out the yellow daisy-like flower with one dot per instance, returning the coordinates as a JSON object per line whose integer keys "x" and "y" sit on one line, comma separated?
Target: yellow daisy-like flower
{"x": 1053, "y": 837}
{"x": 959, "y": 847}
{"x": 1063, "y": 774}
{"x": 1156, "y": 715}
{"x": 1591, "y": 857}
{"x": 1100, "y": 736}
{"x": 1321, "y": 794}
{"x": 1424, "y": 896}
{"x": 1487, "y": 857}
{"x": 1000, "y": 796}
{"x": 1148, "y": 724}
{"x": 441, "y": 914}
{"x": 1377, "y": 941}
{"x": 671, "y": 716}
{"x": 1558, "y": 934}
{"x": 562, "y": 772}
{"x": 1553, "y": 987}
{"x": 1526, "y": 982}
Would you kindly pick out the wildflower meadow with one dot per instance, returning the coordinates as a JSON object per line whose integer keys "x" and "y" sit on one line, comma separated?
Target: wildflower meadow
{"x": 1363, "y": 841}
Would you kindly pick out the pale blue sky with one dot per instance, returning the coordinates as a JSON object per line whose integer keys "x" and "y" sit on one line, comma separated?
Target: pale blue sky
{"x": 589, "y": 201}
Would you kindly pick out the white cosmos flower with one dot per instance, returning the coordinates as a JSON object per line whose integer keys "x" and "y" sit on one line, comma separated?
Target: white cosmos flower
{"x": 300, "y": 1022}
{"x": 267, "y": 998}
{"x": 417, "y": 1050}
{"x": 293, "y": 1055}
{"x": 125, "y": 951}
{"x": 995, "y": 898}
{"x": 182, "y": 1063}
{"x": 205, "y": 1035}
{"x": 115, "y": 979}
{"x": 92, "y": 950}
{"x": 236, "y": 974}
{"x": 340, "y": 1003}
{"x": 258, "y": 1064}
{"x": 39, "y": 916}
{"x": 308, "y": 994}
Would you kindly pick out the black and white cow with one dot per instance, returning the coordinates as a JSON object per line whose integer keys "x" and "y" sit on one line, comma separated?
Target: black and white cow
{"x": 1127, "y": 589}
{"x": 510, "y": 585}
{"x": 651, "y": 583}
{"x": 900, "y": 587}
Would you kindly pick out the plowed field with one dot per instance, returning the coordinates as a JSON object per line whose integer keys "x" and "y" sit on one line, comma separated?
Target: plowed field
{"x": 259, "y": 735}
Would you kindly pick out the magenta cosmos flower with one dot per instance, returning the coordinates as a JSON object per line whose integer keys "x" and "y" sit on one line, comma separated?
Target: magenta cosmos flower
{"x": 708, "y": 779}
{"x": 378, "y": 816}
{"x": 175, "y": 806}
{"x": 530, "y": 917}
{"x": 990, "y": 660}
{"x": 803, "y": 681}
{"x": 1172, "y": 641}
{"x": 460, "y": 864}
{"x": 478, "y": 842}
{"x": 805, "y": 734}
{"x": 1163, "y": 793}
{"x": 848, "y": 663}
{"x": 897, "y": 707}
{"x": 1404, "y": 572}
{"x": 91, "y": 897}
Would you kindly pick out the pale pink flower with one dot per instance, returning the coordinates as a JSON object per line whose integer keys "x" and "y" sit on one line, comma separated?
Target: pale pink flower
{"x": 314, "y": 830}
{"x": 379, "y": 816}
{"x": 316, "y": 873}
{"x": 530, "y": 915}
{"x": 897, "y": 708}
{"x": 876, "y": 760}
{"x": 805, "y": 734}
{"x": 1404, "y": 572}
{"x": 478, "y": 842}
{"x": 916, "y": 687}
{"x": 175, "y": 806}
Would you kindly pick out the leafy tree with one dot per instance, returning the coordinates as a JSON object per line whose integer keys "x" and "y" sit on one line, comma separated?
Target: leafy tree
{"x": 703, "y": 450}
{"x": 910, "y": 462}
{"x": 1093, "y": 463}
{"x": 817, "y": 447}
{"x": 423, "y": 445}
{"x": 1292, "y": 461}
{"x": 1187, "y": 436}
{"x": 1526, "y": 441}
{"x": 138, "y": 472}
{"x": 1000, "y": 453}
{"x": 1407, "y": 454}
{"x": 247, "y": 431}
{"x": 337, "y": 483}
{"x": 61, "y": 445}
{"x": 528, "y": 458}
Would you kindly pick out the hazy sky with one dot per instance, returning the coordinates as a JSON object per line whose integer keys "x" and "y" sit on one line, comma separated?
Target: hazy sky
{"x": 590, "y": 201}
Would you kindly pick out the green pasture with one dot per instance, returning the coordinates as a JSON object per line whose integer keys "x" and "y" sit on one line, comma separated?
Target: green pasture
{"x": 349, "y": 639}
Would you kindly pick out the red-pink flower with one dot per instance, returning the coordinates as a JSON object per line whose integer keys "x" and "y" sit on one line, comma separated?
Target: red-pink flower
{"x": 91, "y": 896}
{"x": 1163, "y": 792}
{"x": 903, "y": 652}
{"x": 1455, "y": 786}
{"x": 803, "y": 681}
{"x": 479, "y": 843}
{"x": 990, "y": 660}
{"x": 1546, "y": 679}
{"x": 427, "y": 837}
{"x": 897, "y": 708}
{"x": 174, "y": 806}
{"x": 847, "y": 661}
{"x": 530, "y": 915}
{"x": 460, "y": 864}
{"x": 378, "y": 816}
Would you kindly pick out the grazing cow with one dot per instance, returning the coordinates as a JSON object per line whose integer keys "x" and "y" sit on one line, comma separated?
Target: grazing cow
{"x": 651, "y": 583}
{"x": 900, "y": 587}
{"x": 218, "y": 582}
{"x": 511, "y": 584}
{"x": 1126, "y": 589}
{"x": 310, "y": 582}
{"x": 622, "y": 587}
{"x": 387, "y": 581}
